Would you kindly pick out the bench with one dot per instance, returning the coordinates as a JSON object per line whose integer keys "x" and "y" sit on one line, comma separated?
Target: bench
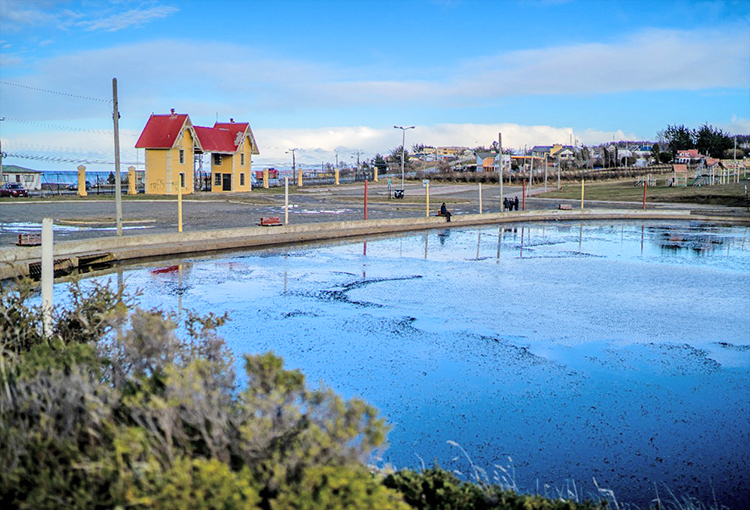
{"x": 565, "y": 207}
{"x": 29, "y": 240}
{"x": 272, "y": 221}
{"x": 398, "y": 193}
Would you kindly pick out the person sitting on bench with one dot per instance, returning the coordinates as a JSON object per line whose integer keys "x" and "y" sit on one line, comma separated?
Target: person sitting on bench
{"x": 445, "y": 212}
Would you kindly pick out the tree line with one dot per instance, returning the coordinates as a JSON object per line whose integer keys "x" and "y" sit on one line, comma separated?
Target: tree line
{"x": 708, "y": 140}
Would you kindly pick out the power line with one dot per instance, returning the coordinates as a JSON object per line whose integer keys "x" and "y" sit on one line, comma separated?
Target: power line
{"x": 55, "y": 92}
{"x": 65, "y": 128}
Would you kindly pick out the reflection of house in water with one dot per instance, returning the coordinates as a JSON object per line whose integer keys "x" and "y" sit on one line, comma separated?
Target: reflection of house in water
{"x": 698, "y": 241}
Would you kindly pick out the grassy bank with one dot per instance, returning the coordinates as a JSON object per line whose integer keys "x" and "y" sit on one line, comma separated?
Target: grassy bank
{"x": 731, "y": 195}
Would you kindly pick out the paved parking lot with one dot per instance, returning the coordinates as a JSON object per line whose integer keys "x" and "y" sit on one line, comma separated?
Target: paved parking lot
{"x": 95, "y": 217}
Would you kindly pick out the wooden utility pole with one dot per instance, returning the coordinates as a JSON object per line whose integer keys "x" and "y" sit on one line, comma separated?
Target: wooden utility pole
{"x": 118, "y": 184}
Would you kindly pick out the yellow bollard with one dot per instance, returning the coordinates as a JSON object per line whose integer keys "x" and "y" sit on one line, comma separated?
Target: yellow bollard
{"x": 336, "y": 177}
{"x": 375, "y": 176}
{"x": 132, "y": 190}
{"x": 427, "y": 193}
{"x": 82, "y": 181}
{"x": 265, "y": 178}
{"x": 299, "y": 178}
{"x": 179, "y": 205}
{"x": 583, "y": 182}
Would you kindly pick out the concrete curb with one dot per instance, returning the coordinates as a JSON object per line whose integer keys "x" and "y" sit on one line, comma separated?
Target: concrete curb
{"x": 15, "y": 261}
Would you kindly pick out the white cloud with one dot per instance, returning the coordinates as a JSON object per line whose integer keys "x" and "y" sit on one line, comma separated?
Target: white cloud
{"x": 20, "y": 14}
{"x": 127, "y": 19}
{"x": 229, "y": 77}
{"x": 316, "y": 145}
{"x": 737, "y": 125}
{"x": 649, "y": 60}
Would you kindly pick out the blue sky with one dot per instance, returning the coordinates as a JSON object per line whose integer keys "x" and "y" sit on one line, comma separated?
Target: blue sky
{"x": 326, "y": 76}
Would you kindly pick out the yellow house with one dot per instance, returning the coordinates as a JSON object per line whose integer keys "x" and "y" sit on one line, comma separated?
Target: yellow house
{"x": 232, "y": 146}
{"x": 171, "y": 141}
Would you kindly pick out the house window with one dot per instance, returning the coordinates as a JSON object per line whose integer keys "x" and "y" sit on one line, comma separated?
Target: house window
{"x": 182, "y": 156}
{"x": 242, "y": 179}
{"x": 182, "y": 180}
{"x": 217, "y": 159}
{"x": 242, "y": 159}
{"x": 217, "y": 179}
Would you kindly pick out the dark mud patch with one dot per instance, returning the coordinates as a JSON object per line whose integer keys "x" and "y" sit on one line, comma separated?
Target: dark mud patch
{"x": 341, "y": 294}
{"x": 733, "y": 347}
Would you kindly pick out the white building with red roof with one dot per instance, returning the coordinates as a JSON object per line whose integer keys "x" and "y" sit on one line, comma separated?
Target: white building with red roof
{"x": 171, "y": 142}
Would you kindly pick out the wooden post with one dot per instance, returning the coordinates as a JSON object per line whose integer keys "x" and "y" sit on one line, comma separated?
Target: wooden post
{"x": 299, "y": 178}
{"x": 118, "y": 183}
{"x": 365, "y": 198}
{"x": 336, "y": 177}
{"x": 645, "y": 187}
{"x": 500, "y": 170}
{"x": 265, "y": 178}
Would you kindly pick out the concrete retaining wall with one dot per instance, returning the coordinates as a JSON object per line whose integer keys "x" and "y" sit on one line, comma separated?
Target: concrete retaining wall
{"x": 14, "y": 261}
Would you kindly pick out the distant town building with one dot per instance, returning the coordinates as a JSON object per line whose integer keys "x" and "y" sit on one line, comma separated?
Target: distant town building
{"x": 171, "y": 143}
{"x": 30, "y": 179}
{"x": 689, "y": 156}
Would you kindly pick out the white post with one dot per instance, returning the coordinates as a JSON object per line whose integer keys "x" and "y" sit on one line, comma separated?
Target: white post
{"x": 545, "y": 171}
{"x": 480, "y": 198}
{"x": 286, "y": 200}
{"x": 48, "y": 275}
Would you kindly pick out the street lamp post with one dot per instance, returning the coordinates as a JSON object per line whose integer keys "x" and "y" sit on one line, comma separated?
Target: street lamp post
{"x": 294, "y": 159}
{"x": 403, "y": 149}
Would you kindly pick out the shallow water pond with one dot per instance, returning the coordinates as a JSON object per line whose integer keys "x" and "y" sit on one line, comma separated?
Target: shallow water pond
{"x": 559, "y": 352}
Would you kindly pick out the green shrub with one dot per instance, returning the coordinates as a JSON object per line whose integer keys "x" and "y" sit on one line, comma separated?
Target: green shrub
{"x": 116, "y": 410}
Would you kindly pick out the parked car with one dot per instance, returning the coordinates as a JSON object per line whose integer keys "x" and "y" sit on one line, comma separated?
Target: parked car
{"x": 13, "y": 189}
{"x": 74, "y": 186}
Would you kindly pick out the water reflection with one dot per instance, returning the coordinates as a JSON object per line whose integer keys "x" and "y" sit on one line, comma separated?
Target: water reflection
{"x": 581, "y": 348}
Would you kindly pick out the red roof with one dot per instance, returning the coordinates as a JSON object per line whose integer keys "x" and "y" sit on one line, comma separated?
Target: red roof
{"x": 215, "y": 140}
{"x": 693, "y": 153}
{"x": 238, "y": 130}
{"x": 161, "y": 131}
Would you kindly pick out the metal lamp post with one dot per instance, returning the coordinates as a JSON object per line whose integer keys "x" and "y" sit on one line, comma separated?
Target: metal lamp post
{"x": 403, "y": 149}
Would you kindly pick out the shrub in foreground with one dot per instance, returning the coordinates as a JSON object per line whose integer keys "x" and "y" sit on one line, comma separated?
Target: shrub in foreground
{"x": 116, "y": 409}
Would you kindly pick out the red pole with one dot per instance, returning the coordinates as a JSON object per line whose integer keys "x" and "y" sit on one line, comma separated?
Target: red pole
{"x": 523, "y": 195}
{"x": 645, "y": 187}
{"x": 365, "y": 198}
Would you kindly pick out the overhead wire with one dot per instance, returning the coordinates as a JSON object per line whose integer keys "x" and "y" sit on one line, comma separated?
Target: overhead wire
{"x": 38, "y": 89}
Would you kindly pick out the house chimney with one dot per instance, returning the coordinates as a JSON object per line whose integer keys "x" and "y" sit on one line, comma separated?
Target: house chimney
{"x": 173, "y": 112}
{"x": 231, "y": 120}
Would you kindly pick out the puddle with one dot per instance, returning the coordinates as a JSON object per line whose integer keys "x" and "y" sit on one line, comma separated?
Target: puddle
{"x": 619, "y": 351}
